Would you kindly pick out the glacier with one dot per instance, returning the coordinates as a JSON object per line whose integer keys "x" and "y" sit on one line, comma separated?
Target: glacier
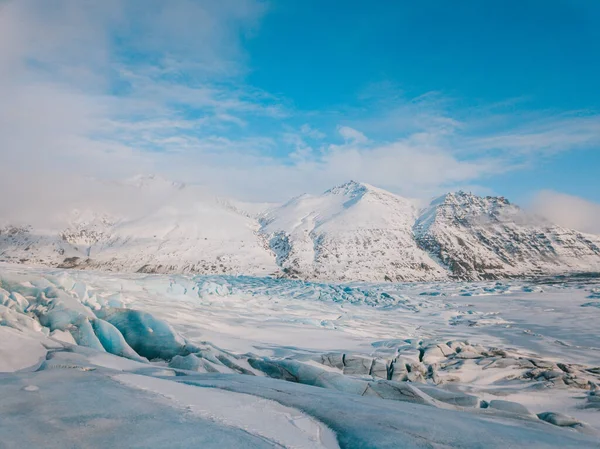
{"x": 225, "y": 361}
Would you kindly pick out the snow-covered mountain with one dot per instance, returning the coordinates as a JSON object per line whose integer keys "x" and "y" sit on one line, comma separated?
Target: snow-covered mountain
{"x": 351, "y": 232}
{"x": 167, "y": 227}
{"x": 490, "y": 238}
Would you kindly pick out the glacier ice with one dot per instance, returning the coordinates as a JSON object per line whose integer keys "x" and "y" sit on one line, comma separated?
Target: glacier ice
{"x": 83, "y": 333}
{"x": 148, "y": 336}
{"x": 113, "y": 341}
{"x": 381, "y": 345}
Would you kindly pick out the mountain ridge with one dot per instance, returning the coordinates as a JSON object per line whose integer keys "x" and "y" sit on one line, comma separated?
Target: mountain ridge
{"x": 351, "y": 232}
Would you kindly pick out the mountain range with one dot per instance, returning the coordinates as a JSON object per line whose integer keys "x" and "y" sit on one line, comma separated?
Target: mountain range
{"x": 352, "y": 232}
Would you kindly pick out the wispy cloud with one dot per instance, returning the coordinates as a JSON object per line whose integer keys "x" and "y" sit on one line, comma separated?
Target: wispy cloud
{"x": 352, "y": 135}
{"x": 568, "y": 210}
{"x": 114, "y": 88}
{"x": 561, "y": 132}
{"x": 98, "y": 84}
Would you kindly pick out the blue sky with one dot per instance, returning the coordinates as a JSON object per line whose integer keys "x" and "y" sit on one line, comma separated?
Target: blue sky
{"x": 479, "y": 51}
{"x": 263, "y": 100}
{"x": 540, "y": 56}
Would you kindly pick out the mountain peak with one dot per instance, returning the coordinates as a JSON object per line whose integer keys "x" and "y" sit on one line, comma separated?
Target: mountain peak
{"x": 353, "y": 231}
{"x": 152, "y": 180}
{"x": 351, "y": 188}
{"x": 463, "y": 198}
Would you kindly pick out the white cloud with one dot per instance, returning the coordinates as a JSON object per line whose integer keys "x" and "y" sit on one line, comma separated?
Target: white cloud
{"x": 568, "y": 211}
{"x": 352, "y": 135}
{"x": 311, "y": 132}
{"x": 76, "y": 103}
{"x": 60, "y": 67}
{"x": 416, "y": 166}
{"x": 547, "y": 135}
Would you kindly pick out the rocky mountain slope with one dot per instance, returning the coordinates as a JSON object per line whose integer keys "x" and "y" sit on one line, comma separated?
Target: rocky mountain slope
{"x": 352, "y": 232}
{"x": 490, "y": 238}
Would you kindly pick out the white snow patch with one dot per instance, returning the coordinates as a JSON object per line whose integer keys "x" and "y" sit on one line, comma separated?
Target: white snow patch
{"x": 19, "y": 350}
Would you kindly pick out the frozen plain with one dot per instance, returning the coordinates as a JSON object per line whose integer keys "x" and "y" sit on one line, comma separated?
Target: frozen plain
{"x": 282, "y": 363}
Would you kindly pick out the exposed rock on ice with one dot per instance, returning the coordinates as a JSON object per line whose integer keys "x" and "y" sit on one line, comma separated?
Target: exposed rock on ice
{"x": 559, "y": 419}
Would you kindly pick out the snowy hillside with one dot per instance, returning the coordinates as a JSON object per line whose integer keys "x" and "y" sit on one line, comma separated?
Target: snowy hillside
{"x": 359, "y": 232}
{"x": 167, "y": 227}
{"x": 351, "y": 232}
{"x": 490, "y": 238}
{"x": 354, "y": 231}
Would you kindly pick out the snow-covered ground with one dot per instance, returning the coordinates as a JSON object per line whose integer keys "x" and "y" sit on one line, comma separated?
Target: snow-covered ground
{"x": 137, "y": 360}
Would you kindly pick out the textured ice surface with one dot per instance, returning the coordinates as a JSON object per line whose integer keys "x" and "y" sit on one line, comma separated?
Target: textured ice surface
{"x": 372, "y": 364}
{"x": 276, "y": 423}
{"x": 113, "y": 341}
{"x": 148, "y": 336}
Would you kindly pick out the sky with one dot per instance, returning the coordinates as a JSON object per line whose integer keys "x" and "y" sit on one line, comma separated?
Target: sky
{"x": 264, "y": 100}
